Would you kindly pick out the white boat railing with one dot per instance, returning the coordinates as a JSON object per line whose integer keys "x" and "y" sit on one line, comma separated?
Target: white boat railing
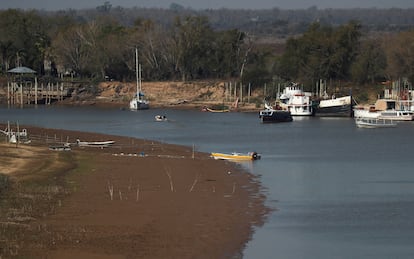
{"x": 365, "y": 122}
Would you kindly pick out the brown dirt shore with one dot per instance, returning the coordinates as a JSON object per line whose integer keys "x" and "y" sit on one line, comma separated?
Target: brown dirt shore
{"x": 136, "y": 199}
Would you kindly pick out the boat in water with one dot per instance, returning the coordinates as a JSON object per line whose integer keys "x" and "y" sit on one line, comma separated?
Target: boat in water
{"x": 362, "y": 122}
{"x": 396, "y": 115}
{"x": 384, "y": 109}
{"x": 366, "y": 112}
{"x": 215, "y": 110}
{"x": 160, "y": 118}
{"x": 138, "y": 102}
{"x": 296, "y": 101}
{"x": 237, "y": 156}
{"x": 335, "y": 107}
{"x": 269, "y": 115}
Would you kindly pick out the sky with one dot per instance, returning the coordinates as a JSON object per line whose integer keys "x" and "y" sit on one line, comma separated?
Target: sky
{"x": 52, "y": 5}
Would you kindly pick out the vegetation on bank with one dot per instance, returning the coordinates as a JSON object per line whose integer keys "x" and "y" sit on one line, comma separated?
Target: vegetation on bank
{"x": 4, "y": 182}
{"x": 192, "y": 46}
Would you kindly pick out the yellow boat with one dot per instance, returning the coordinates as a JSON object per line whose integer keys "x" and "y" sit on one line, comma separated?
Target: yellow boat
{"x": 236, "y": 156}
{"x": 212, "y": 110}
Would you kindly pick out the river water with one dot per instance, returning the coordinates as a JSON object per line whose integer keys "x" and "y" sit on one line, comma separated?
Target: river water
{"x": 338, "y": 191}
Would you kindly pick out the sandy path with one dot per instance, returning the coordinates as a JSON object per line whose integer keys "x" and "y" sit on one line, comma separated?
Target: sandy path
{"x": 14, "y": 159}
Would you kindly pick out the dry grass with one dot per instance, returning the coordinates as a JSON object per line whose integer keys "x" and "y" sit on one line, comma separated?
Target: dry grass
{"x": 34, "y": 189}
{"x": 19, "y": 159}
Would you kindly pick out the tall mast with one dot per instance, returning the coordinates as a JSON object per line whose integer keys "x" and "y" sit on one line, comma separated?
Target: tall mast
{"x": 137, "y": 73}
{"x": 139, "y": 77}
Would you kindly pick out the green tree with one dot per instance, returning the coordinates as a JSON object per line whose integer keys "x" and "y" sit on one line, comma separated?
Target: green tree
{"x": 321, "y": 52}
{"x": 193, "y": 37}
{"x": 258, "y": 74}
{"x": 70, "y": 51}
{"x": 23, "y": 40}
{"x": 107, "y": 46}
{"x": 345, "y": 49}
{"x": 154, "y": 44}
{"x": 226, "y": 54}
{"x": 370, "y": 63}
{"x": 92, "y": 49}
{"x": 399, "y": 49}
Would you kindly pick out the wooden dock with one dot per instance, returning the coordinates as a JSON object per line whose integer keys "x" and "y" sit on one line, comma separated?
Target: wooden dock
{"x": 33, "y": 93}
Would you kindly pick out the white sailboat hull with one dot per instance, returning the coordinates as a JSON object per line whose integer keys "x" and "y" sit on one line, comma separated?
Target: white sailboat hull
{"x": 136, "y": 104}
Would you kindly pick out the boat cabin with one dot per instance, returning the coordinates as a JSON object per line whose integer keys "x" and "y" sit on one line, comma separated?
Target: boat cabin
{"x": 390, "y": 104}
{"x": 385, "y": 104}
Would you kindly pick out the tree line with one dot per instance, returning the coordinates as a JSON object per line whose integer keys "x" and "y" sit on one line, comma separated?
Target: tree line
{"x": 344, "y": 53}
{"x": 271, "y": 22}
{"x": 189, "y": 48}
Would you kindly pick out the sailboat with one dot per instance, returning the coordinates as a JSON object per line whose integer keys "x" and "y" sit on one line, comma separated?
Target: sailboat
{"x": 138, "y": 102}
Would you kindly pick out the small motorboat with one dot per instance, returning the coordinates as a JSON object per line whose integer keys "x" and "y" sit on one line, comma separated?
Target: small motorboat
{"x": 214, "y": 110}
{"x": 160, "y": 118}
{"x": 236, "y": 156}
{"x": 207, "y": 109}
{"x": 362, "y": 122}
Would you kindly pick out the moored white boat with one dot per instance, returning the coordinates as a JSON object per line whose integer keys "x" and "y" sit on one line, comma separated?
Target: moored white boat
{"x": 365, "y": 112}
{"x": 236, "y": 156}
{"x": 362, "y": 122}
{"x": 341, "y": 106}
{"x": 384, "y": 109}
{"x": 138, "y": 102}
{"x": 296, "y": 101}
{"x": 396, "y": 115}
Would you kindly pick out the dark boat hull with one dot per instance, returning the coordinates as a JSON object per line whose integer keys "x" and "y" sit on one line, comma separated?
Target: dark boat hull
{"x": 338, "y": 111}
{"x": 270, "y": 116}
{"x": 335, "y": 107}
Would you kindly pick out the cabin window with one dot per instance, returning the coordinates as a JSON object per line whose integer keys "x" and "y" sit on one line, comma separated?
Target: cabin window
{"x": 390, "y": 105}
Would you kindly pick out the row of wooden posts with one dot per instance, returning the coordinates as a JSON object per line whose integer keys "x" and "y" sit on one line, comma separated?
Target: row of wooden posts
{"x": 237, "y": 91}
{"x": 234, "y": 91}
{"x": 32, "y": 93}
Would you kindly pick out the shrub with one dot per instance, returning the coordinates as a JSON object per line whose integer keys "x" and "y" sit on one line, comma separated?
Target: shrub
{"x": 4, "y": 182}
